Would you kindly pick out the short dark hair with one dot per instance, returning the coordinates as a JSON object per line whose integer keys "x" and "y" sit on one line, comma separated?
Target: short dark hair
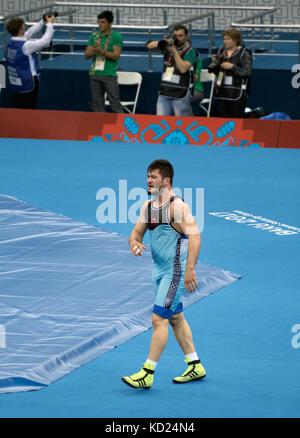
{"x": 165, "y": 168}
{"x": 14, "y": 26}
{"x": 181, "y": 27}
{"x": 106, "y": 14}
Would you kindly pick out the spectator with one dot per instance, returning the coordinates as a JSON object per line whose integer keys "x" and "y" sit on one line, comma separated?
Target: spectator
{"x": 105, "y": 47}
{"x": 178, "y": 73}
{"x": 22, "y": 59}
{"x": 232, "y": 67}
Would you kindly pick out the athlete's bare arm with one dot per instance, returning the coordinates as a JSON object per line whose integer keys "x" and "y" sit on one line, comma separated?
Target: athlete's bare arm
{"x": 137, "y": 234}
{"x": 184, "y": 222}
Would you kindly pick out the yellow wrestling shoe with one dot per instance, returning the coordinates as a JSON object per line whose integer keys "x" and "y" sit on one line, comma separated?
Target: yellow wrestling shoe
{"x": 143, "y": 379}
{"x": 195, "y": 371}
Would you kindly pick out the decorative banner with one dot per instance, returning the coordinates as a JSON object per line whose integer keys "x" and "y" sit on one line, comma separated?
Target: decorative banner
{"x": 289, "y": 134}
{"x": 188, "y": 130}
{"x": 139, "y": 128}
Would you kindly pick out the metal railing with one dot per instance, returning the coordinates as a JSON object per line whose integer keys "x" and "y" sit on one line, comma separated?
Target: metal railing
{"x": 162, "y": 6}
{"x": 260, "y": 16}
{"x": 5, "y": 18}
{"x": 273, "y": 26}
{"x": 211, "y": 27}
{"x": 76, "y": 26}
{"x": 189, "y": 21}
{"x": 166, "y": 29}
{"x": 260, "y": 12}
{"x": 26, "y": 14}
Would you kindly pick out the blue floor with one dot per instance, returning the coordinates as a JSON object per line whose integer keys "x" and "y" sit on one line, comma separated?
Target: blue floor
{"x": 243, "y": 333}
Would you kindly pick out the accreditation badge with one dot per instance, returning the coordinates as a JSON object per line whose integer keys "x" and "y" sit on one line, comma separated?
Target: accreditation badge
{"x": 167, "y": 76}
{"x": 100, "y": 63}
{"x": 228, "y": 80}
{"x": 14, "y": 81}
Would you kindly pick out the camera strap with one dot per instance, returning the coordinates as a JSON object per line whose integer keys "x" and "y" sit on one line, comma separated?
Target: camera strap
{"x": 181, "y": 54}
{"x": 225, "y": 53}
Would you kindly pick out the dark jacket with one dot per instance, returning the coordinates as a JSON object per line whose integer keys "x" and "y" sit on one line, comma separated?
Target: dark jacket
{"x": 235, "y": 81}
{"x": 181, "y": 83}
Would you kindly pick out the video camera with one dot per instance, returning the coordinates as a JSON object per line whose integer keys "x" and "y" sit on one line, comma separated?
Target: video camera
{"x": 216, "y": 64}
{"x": 49, "y": 14}
{"x": 168, "y": 42}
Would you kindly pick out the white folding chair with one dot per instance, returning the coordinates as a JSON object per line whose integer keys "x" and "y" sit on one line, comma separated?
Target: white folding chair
{"x": 207, "y": 77}
{"x": 129, "y": 78}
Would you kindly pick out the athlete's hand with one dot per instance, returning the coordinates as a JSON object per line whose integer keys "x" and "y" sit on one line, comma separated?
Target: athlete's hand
{"x": 190, "y": 280}
{"x": 136, "y": 248}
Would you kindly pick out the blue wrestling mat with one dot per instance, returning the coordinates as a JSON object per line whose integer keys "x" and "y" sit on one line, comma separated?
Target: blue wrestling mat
{"x": 70, "y": 292}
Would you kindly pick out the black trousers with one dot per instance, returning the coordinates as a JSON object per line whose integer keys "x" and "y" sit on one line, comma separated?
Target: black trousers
{"x": 28, "y": 100}
{"x": 232, "y": 108}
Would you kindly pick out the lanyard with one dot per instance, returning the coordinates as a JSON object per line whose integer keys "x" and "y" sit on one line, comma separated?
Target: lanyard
{"x": 107, "y": 41}
{"x": 226, "y": 52}
{"x": 180, "y": 53}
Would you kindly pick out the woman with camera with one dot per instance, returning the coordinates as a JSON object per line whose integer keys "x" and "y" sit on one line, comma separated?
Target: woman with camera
{"x": 232, "y": 67}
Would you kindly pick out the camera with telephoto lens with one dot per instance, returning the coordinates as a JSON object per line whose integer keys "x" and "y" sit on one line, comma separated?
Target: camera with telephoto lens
{"x": 49, "y": 14}
{"x": 164, "y": 44}
{"x": 216, "y": 64}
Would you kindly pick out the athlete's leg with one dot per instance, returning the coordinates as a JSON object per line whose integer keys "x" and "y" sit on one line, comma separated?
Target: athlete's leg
{"x": 160, "y": 321}
{"x": 159, "y": 337}
{"x": 144, "y": 378}
{"x": 182, "y": 333}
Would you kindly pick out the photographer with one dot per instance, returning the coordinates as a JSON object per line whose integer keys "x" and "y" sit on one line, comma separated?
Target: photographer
{"x": 232, "y": 67}
{"x": 178, "y": 73}
{"x": 22, "y": 59}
